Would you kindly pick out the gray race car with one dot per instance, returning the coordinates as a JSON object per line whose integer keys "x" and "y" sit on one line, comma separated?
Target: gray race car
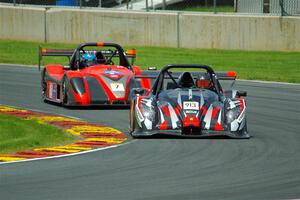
{"x": 190, "y": 103}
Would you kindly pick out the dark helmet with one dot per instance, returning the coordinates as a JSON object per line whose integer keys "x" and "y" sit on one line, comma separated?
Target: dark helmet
{"x": 186, "y": 80}
{"x": 100, "y": 57}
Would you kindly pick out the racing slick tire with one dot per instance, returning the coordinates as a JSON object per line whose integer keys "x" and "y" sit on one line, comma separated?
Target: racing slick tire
{"x": 131, "y": 116}
{"x": 43, "y": 86}
{"x": 64, "y": 92}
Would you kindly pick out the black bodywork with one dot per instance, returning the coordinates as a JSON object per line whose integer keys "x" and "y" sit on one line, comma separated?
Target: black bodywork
{"x": 177, "y": 106}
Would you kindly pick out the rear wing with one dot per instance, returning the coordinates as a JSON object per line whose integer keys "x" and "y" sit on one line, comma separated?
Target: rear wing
{"x": 230, "y": 75}
{"x": 53, "y": 52}
{"x": 68, "y": 53}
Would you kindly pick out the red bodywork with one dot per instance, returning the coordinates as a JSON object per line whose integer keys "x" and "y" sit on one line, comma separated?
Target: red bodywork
{"x": 57, "y": 72}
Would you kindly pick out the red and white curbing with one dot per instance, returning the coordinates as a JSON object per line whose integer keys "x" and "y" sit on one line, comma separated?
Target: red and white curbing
{"x": 91, "y": 136}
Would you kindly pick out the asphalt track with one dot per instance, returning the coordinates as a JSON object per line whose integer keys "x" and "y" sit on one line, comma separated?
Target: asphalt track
{"x": 266, "y": 166}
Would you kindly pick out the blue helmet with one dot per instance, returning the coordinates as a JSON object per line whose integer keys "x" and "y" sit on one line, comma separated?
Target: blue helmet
{"x": 88, "y": 57}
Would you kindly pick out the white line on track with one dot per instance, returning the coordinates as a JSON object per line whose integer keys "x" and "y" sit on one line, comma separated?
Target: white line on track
{"x": 68, "y": 155}
{"x": 268, "y": 82}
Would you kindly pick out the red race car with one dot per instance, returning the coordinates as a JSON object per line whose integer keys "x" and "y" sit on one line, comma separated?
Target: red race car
{"x": 97, "y": 74}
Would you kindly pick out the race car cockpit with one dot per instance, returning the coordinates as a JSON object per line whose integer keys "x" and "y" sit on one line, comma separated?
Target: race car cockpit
{"x": 88, "y": 59}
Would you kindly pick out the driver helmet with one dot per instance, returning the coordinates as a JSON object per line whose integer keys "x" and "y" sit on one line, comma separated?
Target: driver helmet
{"x": 186, "y": 80}
{"x": 203, "y": 82}
{"x": 89, "y": 59}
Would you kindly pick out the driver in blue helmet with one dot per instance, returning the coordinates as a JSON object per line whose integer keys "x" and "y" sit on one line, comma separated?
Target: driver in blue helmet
{"x": 88, "y": 59}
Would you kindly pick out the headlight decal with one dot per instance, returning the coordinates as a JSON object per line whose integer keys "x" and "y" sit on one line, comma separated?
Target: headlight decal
{"x": 232, "y": 114}
{"x": 148, "y": 111}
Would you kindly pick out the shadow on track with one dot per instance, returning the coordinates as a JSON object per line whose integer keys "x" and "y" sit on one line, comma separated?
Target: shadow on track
{"x": 160, "y": 136}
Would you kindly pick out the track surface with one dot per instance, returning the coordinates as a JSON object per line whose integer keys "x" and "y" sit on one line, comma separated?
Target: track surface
{"x": 265, "y": 167}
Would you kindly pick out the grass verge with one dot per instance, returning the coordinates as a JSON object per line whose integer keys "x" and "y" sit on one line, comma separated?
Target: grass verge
{"x": 258, "y": 65}
{"x": 18, "y": 134}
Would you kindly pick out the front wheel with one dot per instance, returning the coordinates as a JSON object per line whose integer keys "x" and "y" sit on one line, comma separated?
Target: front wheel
{"x": 64, "y": 92}
{"x": 242, "y": 133}
{"x": 131, "y": 117}
{"x": 43, "y": 86}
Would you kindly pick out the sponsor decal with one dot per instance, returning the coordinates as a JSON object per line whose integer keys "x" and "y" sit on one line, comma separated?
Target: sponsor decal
{"x": 191, "y": 112}
{"x": 53, "y": 90}
{"x": 112, "y": 72}
{"x": 191, "y": 105}
{"x": 117, "y": 87}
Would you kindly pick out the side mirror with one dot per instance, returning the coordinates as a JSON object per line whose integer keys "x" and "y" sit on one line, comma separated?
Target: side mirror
{"x": 152, "y": 68}
{"x": 139, "y": 91}
{"x": 66, "y": 67}
{"x": 241, "y": 93}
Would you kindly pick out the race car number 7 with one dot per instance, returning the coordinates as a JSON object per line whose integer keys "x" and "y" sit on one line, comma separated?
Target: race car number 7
{"x": 191, "y": 105}
{"x": 117, "y": 87}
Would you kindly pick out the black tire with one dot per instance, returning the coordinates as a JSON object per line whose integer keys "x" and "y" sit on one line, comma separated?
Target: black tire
{"x": 131, "y": 116}
{"x": 43, "y": 86}
{"x": 64, "y": 92}
{"x": 242, "y": 133}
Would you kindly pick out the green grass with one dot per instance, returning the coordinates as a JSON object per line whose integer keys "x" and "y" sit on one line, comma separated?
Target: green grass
{"x": 18, "y": 134}
{"x": 260, "y": 65}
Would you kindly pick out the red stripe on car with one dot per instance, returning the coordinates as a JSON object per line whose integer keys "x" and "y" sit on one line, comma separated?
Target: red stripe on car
{"x": 166, "y": 110}
{"x": 196, "y": 121}
{"x": 215, "y": 111}
{"x": 163, "y": 126}
{"x": 186, "y": 121}
{"x": 218, "y": 127}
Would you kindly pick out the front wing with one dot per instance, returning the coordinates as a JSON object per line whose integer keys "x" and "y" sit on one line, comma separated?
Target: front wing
{"x": 200, "y": 134}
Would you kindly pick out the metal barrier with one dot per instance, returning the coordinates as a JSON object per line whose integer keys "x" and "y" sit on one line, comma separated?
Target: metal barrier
{"x": 271, "y": 7}
{"x": 268, "y": 7}
{"x": 177, "y": 5}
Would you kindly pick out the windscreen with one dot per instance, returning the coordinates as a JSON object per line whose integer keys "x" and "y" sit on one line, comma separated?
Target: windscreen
{"x": 187, "y": 78}
{"x": 103, "y": 55}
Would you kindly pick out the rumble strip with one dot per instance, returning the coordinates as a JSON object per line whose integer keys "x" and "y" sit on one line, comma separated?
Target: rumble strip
{"x": 91, "y": 136}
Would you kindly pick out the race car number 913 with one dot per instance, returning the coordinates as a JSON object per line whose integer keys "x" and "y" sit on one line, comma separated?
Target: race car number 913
{"x": 190, "y": 105}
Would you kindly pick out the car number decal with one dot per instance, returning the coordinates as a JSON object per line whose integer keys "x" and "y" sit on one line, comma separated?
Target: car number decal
{"x": 191, "y": 105}
{"x": 117, "y": 87}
